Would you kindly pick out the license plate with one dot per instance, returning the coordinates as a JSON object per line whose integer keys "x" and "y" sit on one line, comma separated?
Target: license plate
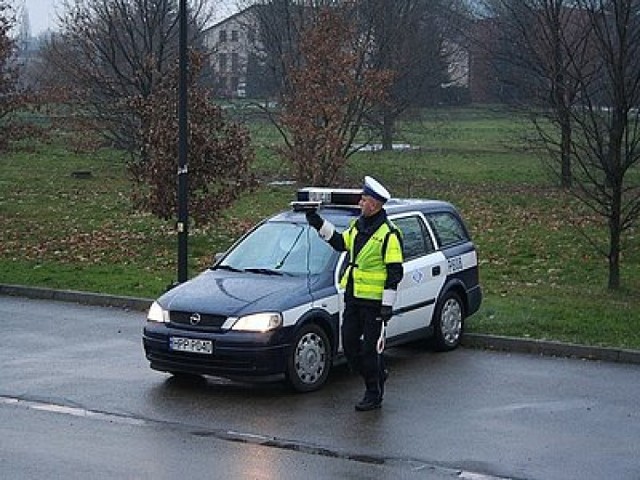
{"x": 192, "y": 345}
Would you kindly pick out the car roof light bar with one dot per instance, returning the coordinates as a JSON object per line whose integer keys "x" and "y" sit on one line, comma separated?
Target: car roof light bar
{"x": 337, "y": 197}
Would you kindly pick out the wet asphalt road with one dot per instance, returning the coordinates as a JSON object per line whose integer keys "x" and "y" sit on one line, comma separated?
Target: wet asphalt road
{"x": 77, "y": 400}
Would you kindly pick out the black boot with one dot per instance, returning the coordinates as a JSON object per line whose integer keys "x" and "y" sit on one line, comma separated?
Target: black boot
{"x": 368, "y": 403}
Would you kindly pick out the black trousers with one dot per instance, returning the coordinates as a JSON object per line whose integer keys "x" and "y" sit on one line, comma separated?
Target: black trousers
{"x": 360, "y": 333}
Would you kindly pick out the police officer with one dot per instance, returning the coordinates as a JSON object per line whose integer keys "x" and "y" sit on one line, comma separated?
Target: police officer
{"x": 370, "y": 280}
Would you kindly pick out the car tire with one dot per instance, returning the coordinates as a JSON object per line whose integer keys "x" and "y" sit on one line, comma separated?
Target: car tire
{"x": 186, "y": 378}
{"x": 309, "y": 361}
{"x": 448, "y": 322}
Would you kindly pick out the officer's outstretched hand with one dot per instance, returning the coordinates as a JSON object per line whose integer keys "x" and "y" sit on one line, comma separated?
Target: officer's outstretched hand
{"x": 314, "y": 219}
{"x": 386, "y": 312}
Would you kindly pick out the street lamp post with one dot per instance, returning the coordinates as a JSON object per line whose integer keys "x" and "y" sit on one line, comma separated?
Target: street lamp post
{"x": 183, "y": 147}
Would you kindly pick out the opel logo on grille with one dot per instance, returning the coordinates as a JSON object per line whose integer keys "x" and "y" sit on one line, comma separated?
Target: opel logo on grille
{"x": 194, "y": 319}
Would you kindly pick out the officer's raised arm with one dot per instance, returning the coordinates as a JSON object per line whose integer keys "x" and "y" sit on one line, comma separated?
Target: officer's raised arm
{"x": 326, "y": 230}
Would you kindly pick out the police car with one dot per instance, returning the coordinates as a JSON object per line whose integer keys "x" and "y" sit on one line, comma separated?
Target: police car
{"x": 271, "y": 306}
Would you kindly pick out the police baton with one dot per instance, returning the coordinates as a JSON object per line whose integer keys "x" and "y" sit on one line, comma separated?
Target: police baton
{"x": 381, "y": 338}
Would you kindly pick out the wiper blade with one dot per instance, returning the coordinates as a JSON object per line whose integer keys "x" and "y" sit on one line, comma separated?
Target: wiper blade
{"x": 264, "y": 271}
{"x": 227, "y": 267}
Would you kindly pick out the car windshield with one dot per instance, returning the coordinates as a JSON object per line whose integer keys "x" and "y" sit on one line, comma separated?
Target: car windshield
{"x": 280, "y": 248}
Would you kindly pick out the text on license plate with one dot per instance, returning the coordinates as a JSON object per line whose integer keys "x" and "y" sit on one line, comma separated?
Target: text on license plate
{"x": 191, "y": 345}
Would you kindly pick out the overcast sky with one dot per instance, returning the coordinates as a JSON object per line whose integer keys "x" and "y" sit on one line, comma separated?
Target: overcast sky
{"x": 42, "y": 13}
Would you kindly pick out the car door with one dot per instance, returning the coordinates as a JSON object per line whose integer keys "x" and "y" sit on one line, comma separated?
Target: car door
{"x": 425, "y": 270}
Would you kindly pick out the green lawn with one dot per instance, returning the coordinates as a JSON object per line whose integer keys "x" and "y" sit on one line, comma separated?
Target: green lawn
{"x": 541, "y": 277}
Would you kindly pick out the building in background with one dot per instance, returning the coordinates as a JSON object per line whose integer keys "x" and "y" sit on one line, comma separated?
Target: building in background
{"x": 237, "y": 53}
{"x": 233, "y": 42}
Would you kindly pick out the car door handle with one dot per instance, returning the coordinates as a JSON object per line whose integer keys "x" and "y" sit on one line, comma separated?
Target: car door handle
{"x": 435, "y": 271}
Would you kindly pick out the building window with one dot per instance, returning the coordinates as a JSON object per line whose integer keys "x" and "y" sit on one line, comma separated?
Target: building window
{"x": 235, "y": 62}
{"x": 234, "y": 35}
{"x": 223, "y": 36}
{"x": 221, "y": 84}
{"x": 222, "y": 62}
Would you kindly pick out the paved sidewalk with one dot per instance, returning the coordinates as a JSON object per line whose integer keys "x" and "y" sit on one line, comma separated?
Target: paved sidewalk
{"x": 470, "y": 340}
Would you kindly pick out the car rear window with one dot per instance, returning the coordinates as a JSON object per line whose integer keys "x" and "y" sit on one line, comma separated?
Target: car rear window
{"x": 447, "y": 228}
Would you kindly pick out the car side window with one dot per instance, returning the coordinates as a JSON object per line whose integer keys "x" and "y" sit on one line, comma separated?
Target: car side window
{"x": 416, "y": 241}
{"x": 448, "y": 229}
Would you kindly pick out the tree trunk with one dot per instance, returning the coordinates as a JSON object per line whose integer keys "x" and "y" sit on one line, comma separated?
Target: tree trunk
{"x": 387, "y": 132}
{"x": 614, "y": 177}
{"x": 564, "y": 120}
{"x": 615, "y": 234}
{"x": 565, "y": 153}
{"x": 614, "y": 255}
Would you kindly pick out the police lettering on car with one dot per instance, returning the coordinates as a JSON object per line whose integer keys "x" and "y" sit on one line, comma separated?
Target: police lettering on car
{"x": 272, "y": 305}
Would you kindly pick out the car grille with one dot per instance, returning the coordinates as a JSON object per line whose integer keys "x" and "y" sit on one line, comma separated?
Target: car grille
{"x": 206, "y": 321}
{"x": 198, "y": 363}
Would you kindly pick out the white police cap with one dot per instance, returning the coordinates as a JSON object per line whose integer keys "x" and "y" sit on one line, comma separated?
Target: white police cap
{"x": 374, "y": 189}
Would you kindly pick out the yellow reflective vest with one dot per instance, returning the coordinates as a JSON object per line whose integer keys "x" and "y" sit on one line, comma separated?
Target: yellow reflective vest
{"x": 369, "y": 267}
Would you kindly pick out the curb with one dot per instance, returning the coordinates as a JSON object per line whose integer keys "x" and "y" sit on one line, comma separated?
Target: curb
{"x": 550, "y": 348}
{"x": 470, "y": 340}
{"x": 74, "y": 296}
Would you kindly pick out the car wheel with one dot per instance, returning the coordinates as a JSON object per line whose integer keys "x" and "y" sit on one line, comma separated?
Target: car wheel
{"x": 448, "y": 322}
{"x": 310, "y": 359}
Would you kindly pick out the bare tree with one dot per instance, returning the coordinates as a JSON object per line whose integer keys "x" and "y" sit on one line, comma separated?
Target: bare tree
{"x": 108, "y": 51}
{"x": 409, "y": 38}
{"x": 606, "y": 123}
{"x": 120, "y": 57}
{"x": 317, "y": 59}
{"x": 8, "y": 74}
{"x": 327, "y": 96}
{"x": 575, "y": 66}
{"x": 13, "y": 96}
{"x": 278, "y": 28}
{"x": 539, "y": 45}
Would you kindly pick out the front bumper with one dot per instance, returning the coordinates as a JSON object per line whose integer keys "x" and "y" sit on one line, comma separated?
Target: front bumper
{"x": 234, "y": 353}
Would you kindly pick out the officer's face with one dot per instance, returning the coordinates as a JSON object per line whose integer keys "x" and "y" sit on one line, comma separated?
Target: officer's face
{"x": 369, "y": 205}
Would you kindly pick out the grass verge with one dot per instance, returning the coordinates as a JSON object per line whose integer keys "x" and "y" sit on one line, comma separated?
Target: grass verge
{"x": 541, "y": 278}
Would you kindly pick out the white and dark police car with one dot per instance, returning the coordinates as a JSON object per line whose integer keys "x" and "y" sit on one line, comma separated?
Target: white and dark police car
{"x": 271, "y": 306}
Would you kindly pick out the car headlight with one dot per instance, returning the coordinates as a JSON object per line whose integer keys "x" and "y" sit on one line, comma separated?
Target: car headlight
{"x": 259, "y": 322}
{"x": 157, "y": 314}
